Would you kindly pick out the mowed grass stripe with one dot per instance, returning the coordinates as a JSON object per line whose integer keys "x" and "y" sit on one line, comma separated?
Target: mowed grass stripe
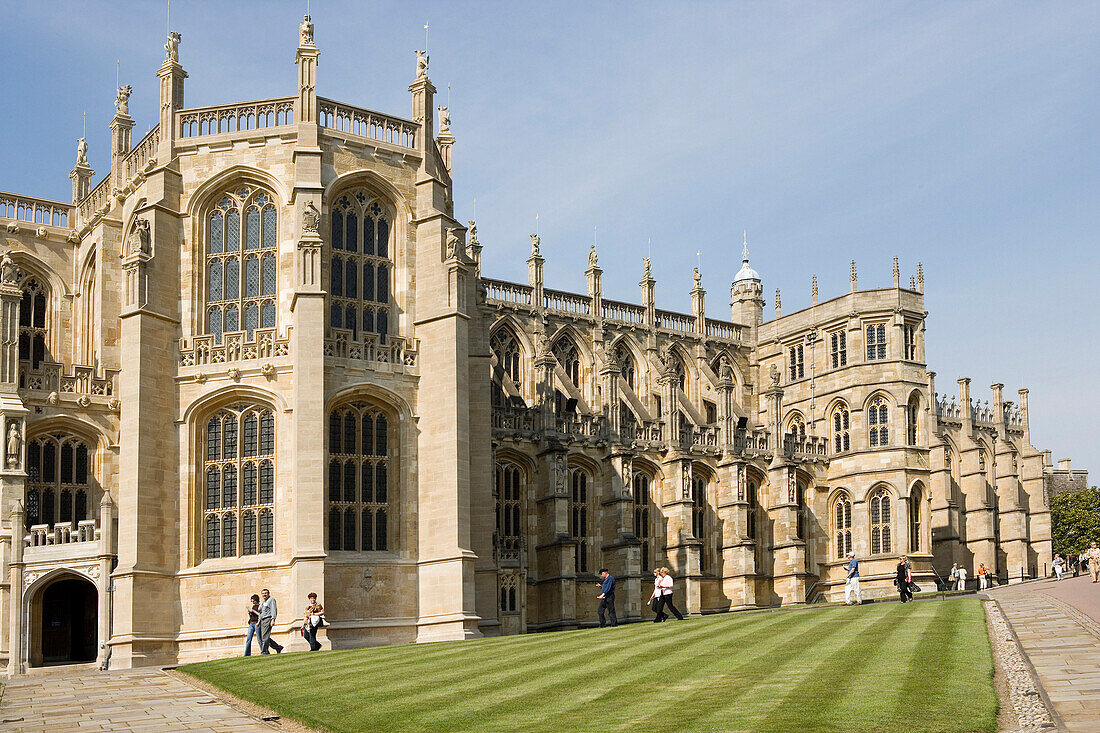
{"x": 864, "y": 646}
{"x": 765, "y": 671}
{"x": 604, "y": 654}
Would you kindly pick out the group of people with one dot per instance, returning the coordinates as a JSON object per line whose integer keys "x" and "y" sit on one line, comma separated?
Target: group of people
{"x": 262, "y": 612}
{"x": 903, "y": 581}
{"x": 1087, "y": 562}
{"x": 660, "y": 601}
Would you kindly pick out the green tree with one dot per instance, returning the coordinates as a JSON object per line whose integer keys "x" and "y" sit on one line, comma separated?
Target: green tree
{"x": 1075, "y": 520}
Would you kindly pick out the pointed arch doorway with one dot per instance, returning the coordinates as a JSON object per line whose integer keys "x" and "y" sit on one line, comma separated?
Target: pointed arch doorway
{"x": 64, "y": 622}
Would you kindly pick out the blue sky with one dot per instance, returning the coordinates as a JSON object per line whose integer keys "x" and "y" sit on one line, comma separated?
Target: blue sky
{"x": 961, "y": 135}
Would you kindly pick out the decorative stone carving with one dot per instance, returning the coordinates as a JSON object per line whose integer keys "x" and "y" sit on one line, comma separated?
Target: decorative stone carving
{"x": 268, "y": 370}
{"x": 444, "y": 120}
{"x": 593, "y": 260}
{"x": 452, "y": 243}
{"x": 81, "y": 152}
{"x": 558, "y": 471}
{"x": 114, "y": 404}
{"x": 84, "y": 400}
{"x": 74, "y": 237}
{"x": 53, "y": 399}
{"x": 139, "y": 239}
{"x": 685, "y": 480}
{"x": 311, "y": 218}
{"x": 773, "y": 374}
{"x": 172, "y": 47}
{"x": 15, "y": 444}
{"x": 41, "y": 233}
{"x": 13, "y": 228}
{"x": 535, "y": 245}
{"x": 471, "y": 233}
{"x": 122, "y": 100}
{"x": 421, "y": 64}
{"x": 9, "y": 273}
{"x": 792, "y": 486}
{"x": 628, "y": 474}
{"x": 697, "y": 278}
{"x": 646, "y": 272}
{"x": 201, "y": 378}
{"x": 668, "y": 361}
{"x": 234, "y": 374}
{"x": 725, "y": 370}
{"x": 306, "y": 32}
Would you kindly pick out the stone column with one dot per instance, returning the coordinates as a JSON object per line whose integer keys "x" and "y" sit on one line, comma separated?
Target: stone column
{"x": 738, "y": 571}
{"x": 171, "y": 76}
{"x": 554, "y": 548}
{"x": 105, "y": 585}
{"x": 16, "y": 650}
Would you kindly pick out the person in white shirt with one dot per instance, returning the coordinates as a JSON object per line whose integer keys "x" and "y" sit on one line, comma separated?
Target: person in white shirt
{"x": 664, "y": 583}
{"x": 1059, "y": 566}
{"x": 961, "y": 582}
{"x": 851, "y": 584}
{"x": 655, "y": 599}
{"x": 268, "y": 612}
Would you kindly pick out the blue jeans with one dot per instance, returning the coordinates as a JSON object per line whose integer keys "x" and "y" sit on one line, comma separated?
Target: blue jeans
{"x": 252, "y": 632}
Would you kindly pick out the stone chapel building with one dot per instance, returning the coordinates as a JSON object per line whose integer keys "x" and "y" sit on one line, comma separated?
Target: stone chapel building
{"x": 260, "y": 353}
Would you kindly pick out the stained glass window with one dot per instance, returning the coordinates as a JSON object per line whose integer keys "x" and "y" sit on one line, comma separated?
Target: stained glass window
{"x": 358, "y": 218}
{"x": 226, "y": 229}
{"x": 358, "y": 478}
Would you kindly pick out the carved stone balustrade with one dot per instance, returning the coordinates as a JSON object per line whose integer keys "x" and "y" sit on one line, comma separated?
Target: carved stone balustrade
{"x": 62, "y": 533}
{"x": 81, "y": 380}
{"x": 345, "y": 118}
{"x": 35, "y": 210}
{"x": 235, "y": 346}
{"x": 234, "y": 118}
{"x": 810, "y": 448}
{"x": 395, "y": 353}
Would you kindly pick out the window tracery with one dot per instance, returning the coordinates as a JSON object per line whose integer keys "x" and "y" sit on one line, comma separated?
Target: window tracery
{"x": 33, "y": 322}
{"x": 506, "y": 350}
{"x": 509, "y": 491}
{"x": 579, "y": 520}
{"x": 643, "y": 516}
{"x": 625, "y": 360}
{"x": 241, "y": 266}
{"x": 699, "y": 517}
{"x": 360, "y": 484}
{"x": 842, "y": 438}
{"x": 361, "y": 265}
{"x": 797, "y": 428}
{"x": 239, "y": 482}
{"x": 58, "y": 480}
{"x": 878, "y": 418}
{"x": 876, "y": 342}
{"x": 914, "y": 520}
{"x": 842, "y": 525}
{"x": 565, "y": 351}
{"x": 880, "y": 522}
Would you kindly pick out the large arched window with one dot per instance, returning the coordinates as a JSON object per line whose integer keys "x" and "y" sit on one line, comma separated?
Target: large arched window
{"x": 509, "y": 490}
{"x": 643, "y": 515}
{"x": 880, "y": 522}
{"x": 625, "y": 360}
{"x": 58, "y": 480}
{"x": 699, "y": 517}
{"x": 242, "y": 272}
{"x": 360, "y": 483}
{"x": 361, "y": 265}
{"x": 580, "y": 518}
{"x": 565, "y": 351}
{"x": 878, "y": 421}
{"x": 912, "y": 412}
{"x": 842, "y": 437}
{"x": 842, "y": 525}
{"x": 506, "y": 350}
{"x": 239, "y": 481}
{"x": 33, "y": 322}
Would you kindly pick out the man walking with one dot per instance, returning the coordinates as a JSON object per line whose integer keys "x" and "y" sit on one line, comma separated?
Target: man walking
{"x": 851, "y": 585}
{"x": 961, "y": 583}
{"x": 607, "y": 598}
{"x": 1093, "y": 556}
{"x": 268, "y": 612}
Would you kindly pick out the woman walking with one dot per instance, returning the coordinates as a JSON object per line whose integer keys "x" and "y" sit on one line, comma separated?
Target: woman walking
{"x": 903, "y": 580}
{"x": 253, "y": 610}
{"x": 314, "y": 617}
{"x": 655, "y": 599}
{"x": 664, "y": 583}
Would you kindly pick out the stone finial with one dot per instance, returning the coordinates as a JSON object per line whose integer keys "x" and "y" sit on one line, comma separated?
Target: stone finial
{"x": 912, "y": 283}
{"x": 897, "y": 273}
{"x": 305, "y": 31}
{"x": 920, "y": 278}
{"x": 444, "y": 120}
{"x": 745, "y": 246}
{"x": 813, "y": 290}
{"x": 122, "y": 99}
{"x": 471, "y": 233}
{"x": 82, "y": 152}
{"x": 646, "y": 272}
{"x": 452, "y": 243}
{"x": 172, "y": 47}
{"x": 535, "y": 241}
{"x": 593, "y": 260}
{"x": 422, "y": 64}
{"x": 778, "y": 304}
{"x": 697, "y": 279}
{"x": 855, "y": 281}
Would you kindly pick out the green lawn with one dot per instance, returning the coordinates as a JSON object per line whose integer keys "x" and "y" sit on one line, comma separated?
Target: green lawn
{"x": 923, "y": 666}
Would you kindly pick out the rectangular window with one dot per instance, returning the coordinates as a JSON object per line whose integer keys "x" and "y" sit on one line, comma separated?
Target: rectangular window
{"x": 838, "y": 348}
{"x": 910, "y": 333}
{"x": 796, "y": 364}
{"x": 876, "y": 341}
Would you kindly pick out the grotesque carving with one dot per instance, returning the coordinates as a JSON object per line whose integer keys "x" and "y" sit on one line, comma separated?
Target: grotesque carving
{"x": 311, "y": 217}
{"x": 122, "y": 100}
{"x": 421, "y": 64}
{"x": 138, "y": 242}
{"x": 172, "y": 47}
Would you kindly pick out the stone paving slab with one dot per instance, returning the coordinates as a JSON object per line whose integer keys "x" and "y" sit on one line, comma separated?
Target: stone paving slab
{"x": 1053, "y": 622}
{"x": 140, "y": 699}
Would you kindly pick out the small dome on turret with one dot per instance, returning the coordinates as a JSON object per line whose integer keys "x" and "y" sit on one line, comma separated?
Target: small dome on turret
{"x": 746, "y": 274}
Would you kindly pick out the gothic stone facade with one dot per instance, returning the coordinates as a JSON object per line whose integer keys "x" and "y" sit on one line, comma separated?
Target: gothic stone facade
{"x": 260, "y": 353}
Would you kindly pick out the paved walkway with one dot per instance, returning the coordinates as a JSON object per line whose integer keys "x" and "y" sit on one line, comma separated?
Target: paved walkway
{"x": 1058, "y": 625}
{"x": 131, "y": 700}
